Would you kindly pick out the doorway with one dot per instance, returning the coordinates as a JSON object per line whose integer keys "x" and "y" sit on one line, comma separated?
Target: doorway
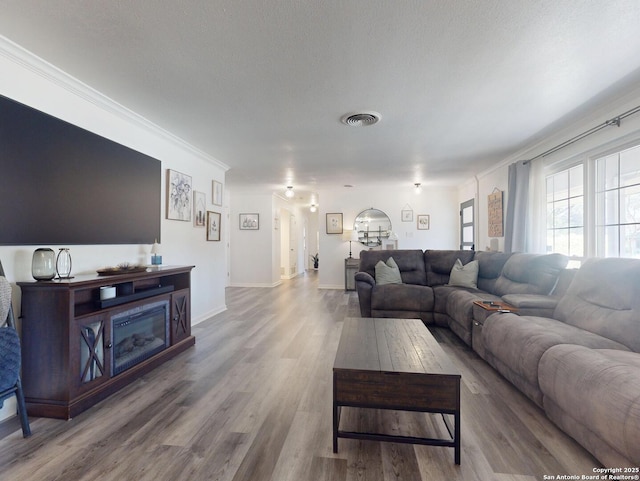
{"x": 467, "y": 225}
{"x": 288, "y": 245}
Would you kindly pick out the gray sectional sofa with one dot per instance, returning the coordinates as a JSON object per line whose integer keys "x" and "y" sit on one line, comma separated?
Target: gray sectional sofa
{"x": 573, "y": 347}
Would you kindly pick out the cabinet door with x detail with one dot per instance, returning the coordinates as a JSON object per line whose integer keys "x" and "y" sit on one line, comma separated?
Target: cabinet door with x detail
{"x": 180, "y": 318}
{"x": 90, "y": 363}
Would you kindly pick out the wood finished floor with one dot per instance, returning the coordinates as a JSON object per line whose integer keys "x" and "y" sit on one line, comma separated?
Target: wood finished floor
{"x": 252, "y": 401}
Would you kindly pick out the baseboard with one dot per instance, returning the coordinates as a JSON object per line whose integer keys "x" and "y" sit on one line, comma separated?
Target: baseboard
{"x": 208, "y": 315}
{"x": 331, "y": 286}
{"x": 250, "y": 284}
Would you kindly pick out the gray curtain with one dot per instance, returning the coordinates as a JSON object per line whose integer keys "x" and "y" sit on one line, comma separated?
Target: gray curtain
{"x": 515, "y": 230}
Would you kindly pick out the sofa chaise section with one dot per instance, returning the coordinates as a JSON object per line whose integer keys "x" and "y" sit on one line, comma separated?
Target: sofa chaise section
{"x": 514, "y": 344}
{"x": 594, "y": 396}
{"x": 601, "y": 310}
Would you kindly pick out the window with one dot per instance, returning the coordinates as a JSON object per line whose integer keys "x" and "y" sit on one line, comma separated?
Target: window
{"x": 565, "y": 212}
{"x": 593, "y": 207}
{"x": 617, "y": 199}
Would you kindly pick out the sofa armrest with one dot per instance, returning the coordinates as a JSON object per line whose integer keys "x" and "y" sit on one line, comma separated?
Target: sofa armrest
{"x": 365, "y": 277}
{"x": 364, "y": 285}
{"x": 532, "y": 304}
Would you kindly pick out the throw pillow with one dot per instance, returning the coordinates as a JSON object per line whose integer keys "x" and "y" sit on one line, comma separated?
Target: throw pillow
{"x": 388, "y": 273}
{"x": 464, "y": 276}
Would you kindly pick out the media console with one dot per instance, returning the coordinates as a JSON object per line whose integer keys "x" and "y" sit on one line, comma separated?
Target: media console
{"x": 78, "y": 349}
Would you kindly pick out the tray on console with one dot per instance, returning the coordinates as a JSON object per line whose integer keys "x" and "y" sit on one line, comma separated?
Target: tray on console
{"x": 112, "y": 271}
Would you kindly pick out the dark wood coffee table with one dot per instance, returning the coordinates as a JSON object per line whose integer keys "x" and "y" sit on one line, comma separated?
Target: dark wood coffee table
{"x": 395, "y": 364}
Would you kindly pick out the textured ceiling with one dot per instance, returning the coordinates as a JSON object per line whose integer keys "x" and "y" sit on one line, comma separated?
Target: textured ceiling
{"x": 261, "y": 85}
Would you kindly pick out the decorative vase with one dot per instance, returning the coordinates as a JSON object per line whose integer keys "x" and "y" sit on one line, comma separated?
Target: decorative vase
{"x": 63, "y": 263}
{"x": 43, "y": 264}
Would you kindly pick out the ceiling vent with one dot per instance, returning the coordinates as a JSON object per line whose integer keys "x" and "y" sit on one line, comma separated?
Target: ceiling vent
{"x": 361, "y": 119}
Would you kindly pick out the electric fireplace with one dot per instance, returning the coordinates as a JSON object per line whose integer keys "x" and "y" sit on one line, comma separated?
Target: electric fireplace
{"x": 138, "y": 334}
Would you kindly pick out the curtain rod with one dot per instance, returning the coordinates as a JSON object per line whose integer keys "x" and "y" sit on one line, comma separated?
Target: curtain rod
{"x": 614, "y": 121}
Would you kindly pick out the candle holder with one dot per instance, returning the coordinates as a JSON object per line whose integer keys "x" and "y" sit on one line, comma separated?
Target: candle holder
{"x": 63, "y": 263}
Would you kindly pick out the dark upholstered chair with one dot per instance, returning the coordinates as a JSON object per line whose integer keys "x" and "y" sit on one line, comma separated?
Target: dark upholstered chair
{"x": 10, "y": 355}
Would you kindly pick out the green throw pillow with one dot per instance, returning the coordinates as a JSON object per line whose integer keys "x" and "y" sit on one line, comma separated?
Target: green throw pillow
{"x": 464, "y": 276}
{"x": 388, "y": 273}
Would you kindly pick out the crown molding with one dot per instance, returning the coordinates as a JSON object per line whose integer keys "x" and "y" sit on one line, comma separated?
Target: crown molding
{"x": 29, "y": 61}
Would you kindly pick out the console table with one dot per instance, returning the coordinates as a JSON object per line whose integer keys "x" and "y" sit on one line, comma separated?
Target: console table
{"x": 351, "y": 266}
{"x": 58, "y": 352}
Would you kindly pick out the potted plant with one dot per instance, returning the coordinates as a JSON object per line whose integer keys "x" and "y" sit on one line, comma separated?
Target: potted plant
{"x": 315, "y": 261}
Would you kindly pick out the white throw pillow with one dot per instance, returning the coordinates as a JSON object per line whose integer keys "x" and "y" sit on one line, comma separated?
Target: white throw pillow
{"x": 464, "y": 276}
{"x": 388, "y": 273}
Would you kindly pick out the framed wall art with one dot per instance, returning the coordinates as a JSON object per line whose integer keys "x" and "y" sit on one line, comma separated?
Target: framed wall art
{"x": 424, "y": 222}
{"x": 407, "y": 215}
{"x": 334, "y": 223}
{"x": 213, "y": 226}
{"x": 217, "y": 193}
{"x": 249, "y": 221}
{"x": 494, "y": 205}
{"x": 179, "y": 196}
{"x": 199, "y": 209}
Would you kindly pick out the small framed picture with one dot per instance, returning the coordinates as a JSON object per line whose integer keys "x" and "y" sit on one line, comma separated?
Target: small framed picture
{"x": 423, "y": 222}
{"x": 407, "y": 216}
{"x": 213, "y": 226}
{"x": 334, "y": 223}
{"x": 199, "y": 209}
{"x": 217, "y": 193}
{"x": 249, "y": 221}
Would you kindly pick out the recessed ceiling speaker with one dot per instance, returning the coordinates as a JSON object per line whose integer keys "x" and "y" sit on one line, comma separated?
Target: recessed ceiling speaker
{"x": 361, "y": 119}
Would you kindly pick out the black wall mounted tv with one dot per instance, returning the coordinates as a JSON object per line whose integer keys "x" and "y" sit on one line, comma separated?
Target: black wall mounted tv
{"x": 63, "y": 185}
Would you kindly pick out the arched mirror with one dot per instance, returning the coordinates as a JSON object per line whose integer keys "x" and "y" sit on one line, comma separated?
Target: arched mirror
{"x": 372, "y": 226}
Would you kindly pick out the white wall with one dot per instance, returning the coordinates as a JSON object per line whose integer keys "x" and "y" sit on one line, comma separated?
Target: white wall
{"x": 441, "y": 203}
{"x": 33, "y": 82}
{"x": 254, "y": 253}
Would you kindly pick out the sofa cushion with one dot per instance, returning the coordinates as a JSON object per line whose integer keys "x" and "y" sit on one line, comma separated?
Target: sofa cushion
{"x": 410, "y": 263}
{"x": 438, "y": 264}
{"x": 530, "y": 274}
{"x": 532, "y": 304}
{"x": 523, "y": 301}
{"x": 490, "y": 266}
{"x": 402, "y": 297}
{"x": 440, "y": 296}
{"x": 594, "y": 395}
{"x": 514, "y": 345}
{"x": 388, "y": 273}
{"x": 464, "y": 275}
{"x": 460, "y": 310}
{"x": 604, "y": 298}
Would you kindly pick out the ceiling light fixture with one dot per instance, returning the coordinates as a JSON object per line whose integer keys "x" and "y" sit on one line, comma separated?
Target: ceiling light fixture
{"x": 313, "y": 208}
{"x": 289, "y": 192}
{"x": 361, "y": 119}
{"x": 418, "y": 188}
